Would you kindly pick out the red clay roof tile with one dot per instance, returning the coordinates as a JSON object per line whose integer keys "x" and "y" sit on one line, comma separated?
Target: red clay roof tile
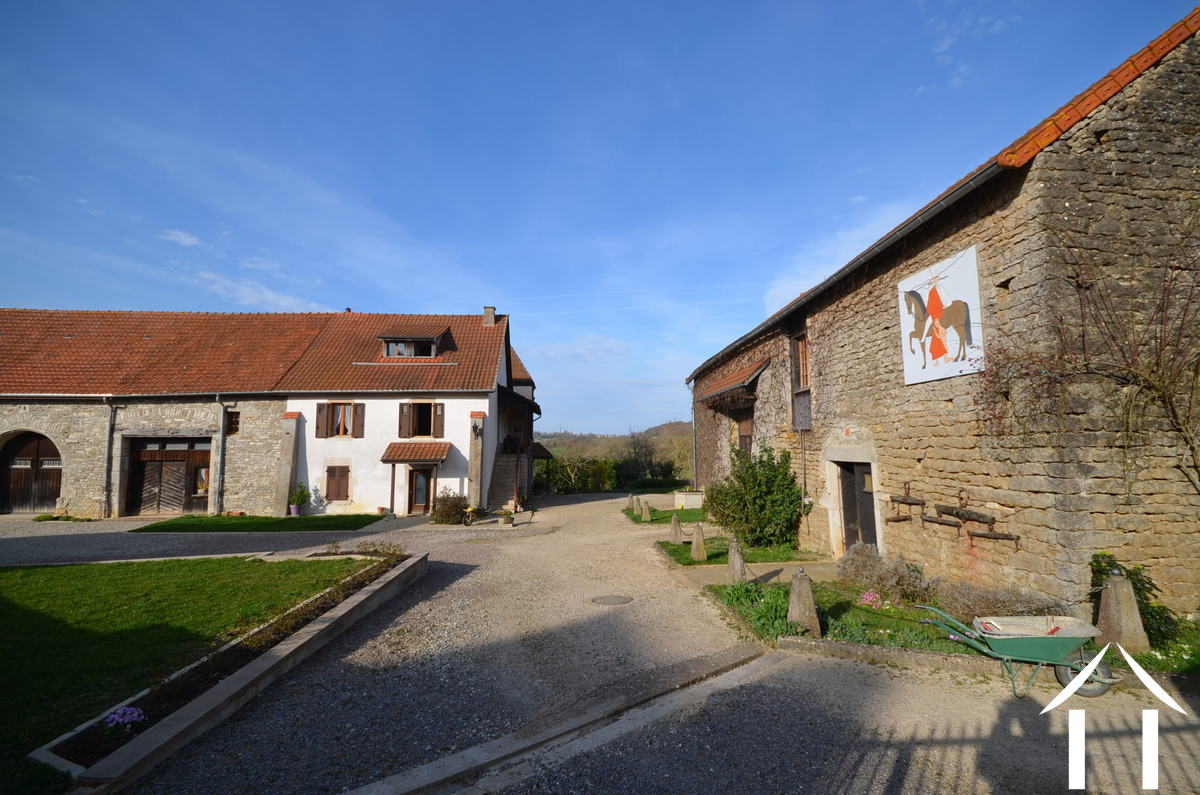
{"x": 737, "y": 378}
{"x": 58, "y": 352}
{"x": 411, "y": 452}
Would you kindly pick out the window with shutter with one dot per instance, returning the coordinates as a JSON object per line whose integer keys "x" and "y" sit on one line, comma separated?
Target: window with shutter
{"x": 439, "y": 420}
{"x": 406, "y": 425}
{"x": 340, "y": 419}
{"x": 801, "y": 385}
{"x": 337, "y": 483}
{"x": 422, "y": 419}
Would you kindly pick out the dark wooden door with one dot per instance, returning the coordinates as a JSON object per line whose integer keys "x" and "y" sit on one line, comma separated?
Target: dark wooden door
{"x": 168, "y": 480}
{"x": 419, "y": 483}
{"x": 746, "y": 431}
{"x": 858, "y": 504}
{"x": 30, "y": 474}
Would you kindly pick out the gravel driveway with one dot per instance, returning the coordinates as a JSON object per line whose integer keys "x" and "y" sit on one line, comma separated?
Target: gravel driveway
{"x": 501, "y": 629}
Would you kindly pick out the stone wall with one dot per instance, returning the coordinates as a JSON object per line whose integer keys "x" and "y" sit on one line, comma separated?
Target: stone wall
{"x": 80, "y": 430}
{"x": 1120, "y": 185}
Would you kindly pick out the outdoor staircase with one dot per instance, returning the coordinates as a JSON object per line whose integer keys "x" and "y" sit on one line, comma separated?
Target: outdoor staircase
{"x": 508, "y": 470}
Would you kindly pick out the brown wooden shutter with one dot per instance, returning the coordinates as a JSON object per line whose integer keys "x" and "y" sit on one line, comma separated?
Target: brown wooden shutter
{"x": 337, "y": 483}
{"x": 322, "y": 420}
{"x": 439, "y": 420}
{"x": 360, "y": 415}
{"x": 406, "y": 421}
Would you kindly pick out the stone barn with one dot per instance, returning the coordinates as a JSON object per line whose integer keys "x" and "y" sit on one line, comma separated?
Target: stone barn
{"x": 906, "y": 385}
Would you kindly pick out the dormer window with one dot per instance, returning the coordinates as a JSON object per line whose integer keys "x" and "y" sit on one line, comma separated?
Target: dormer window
{"x": 409, "y": 348}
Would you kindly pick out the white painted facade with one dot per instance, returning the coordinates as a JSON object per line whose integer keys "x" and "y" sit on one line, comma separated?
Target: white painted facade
{"x": 371, "y": 479}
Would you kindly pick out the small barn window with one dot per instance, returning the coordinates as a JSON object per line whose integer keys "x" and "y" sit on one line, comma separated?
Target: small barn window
{"x": 801, "y": 384}
{"x": 233, "y": 422}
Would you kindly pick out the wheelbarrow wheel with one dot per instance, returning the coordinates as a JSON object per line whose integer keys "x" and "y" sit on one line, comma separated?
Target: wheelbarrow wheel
{"x": 1091, "y": 688}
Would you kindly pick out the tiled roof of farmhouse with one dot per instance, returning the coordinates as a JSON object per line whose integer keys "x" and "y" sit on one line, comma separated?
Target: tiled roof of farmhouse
{"x": 1015, "y": 155}
{"x": 58, "y": 352}
{"x": 519, "y": 371}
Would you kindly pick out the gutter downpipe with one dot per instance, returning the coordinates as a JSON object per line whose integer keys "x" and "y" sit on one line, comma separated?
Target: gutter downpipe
{"x": 218, "y": 505}
{"x": 108, "y": 456}
{"x": 695, "y": 459}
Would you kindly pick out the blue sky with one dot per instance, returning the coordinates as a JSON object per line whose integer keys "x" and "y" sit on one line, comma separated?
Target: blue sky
{"x": 636, "y": 183}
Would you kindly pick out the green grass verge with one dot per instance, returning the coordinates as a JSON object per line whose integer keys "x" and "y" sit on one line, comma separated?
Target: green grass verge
{"x": 203, "y": 523}
{"x": 686, "y": 516}
{"x": 717, "y": 549}
{"x": 78, "y": 639}
{"x": 764, "y": 608}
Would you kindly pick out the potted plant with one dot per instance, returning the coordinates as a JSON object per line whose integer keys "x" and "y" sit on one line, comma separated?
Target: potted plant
{"x": 297, "y": 496}
{"x": 506, "y": 516}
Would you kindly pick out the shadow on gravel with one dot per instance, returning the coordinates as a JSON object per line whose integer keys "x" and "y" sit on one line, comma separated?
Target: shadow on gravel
{"x": 830, "y": 728}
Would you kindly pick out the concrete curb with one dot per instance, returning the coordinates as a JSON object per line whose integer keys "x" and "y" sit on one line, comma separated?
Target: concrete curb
{"x": 574, "y": 718}
{"x": 140, "y": 755}
{"x": 973, "y": 664}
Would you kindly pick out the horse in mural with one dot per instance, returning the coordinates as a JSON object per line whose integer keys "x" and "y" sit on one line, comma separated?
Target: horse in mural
{"x": 956, "y": 315}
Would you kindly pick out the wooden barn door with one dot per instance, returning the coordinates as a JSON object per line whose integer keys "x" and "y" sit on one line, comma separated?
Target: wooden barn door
{"x": 168, "y": 477}
{"x": 30, "y": 474}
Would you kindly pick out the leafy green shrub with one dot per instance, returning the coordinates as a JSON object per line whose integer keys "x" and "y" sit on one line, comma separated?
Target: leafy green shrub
{"x": 298, "y": 494}
{"x": 896, "y": 579}
{"x": 45, "y": 517}
{"x": 449, "y": 508}
{"x": 62, "y": 517}
{"x": 1160, "y": 622}
{"x": 742, "y": 594}
{"x": 760, "y": 502}
{"x": 574, "y": 475}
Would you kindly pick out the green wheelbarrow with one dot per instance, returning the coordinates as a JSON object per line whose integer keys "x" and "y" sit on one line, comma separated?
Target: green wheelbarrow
{"x": 1032, "y": 640}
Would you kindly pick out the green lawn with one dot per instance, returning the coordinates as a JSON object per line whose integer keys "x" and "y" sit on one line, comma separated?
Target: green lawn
{"x": 717, "y": 548}
{"x": 78, "y": 639}
{"x": 686, "y": 515}
{"x": 203, "y": 523}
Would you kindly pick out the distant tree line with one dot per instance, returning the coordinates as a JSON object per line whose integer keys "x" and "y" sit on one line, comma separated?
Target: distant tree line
{"x": 658, "y": 457}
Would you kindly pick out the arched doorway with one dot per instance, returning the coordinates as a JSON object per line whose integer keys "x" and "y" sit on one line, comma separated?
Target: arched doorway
{"x": 30, "y": 474}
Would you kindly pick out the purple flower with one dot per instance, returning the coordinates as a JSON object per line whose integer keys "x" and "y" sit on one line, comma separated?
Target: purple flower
{"x": 124, "y": 718}
{"x": 955, "y": 637}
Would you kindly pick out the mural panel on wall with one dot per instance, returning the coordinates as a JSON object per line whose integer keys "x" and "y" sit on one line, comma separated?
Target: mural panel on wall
{"x": 941, "y": 333}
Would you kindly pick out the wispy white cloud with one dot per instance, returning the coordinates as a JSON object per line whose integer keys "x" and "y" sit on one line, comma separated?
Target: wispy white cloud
{"x": 857, "y": 199}
{"x": 181, "y": 237}
{"x": 250, "y": 293}
{"x": 261, "y": 264}
{"x": 949, "y": 31}
{"x": 25, "y": 178}
{"x": 587, "y": 346}
{"x": 820, "y": 258}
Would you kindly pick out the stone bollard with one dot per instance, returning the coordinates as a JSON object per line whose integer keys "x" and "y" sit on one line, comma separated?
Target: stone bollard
{"x": 698, "y": 551}
{"x": 637, "y": 506}
{"x": 1120, "y": 621}
{"x": 801, "y": 607}
{"x": 629, "y": 502}
{"x": 646, "y": 511}
{"x": 676, "y": 530}
{"x": 737, "y": 564}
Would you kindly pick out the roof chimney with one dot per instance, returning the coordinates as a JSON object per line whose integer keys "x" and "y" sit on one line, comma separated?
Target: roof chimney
{"x": 489, "y": 316}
